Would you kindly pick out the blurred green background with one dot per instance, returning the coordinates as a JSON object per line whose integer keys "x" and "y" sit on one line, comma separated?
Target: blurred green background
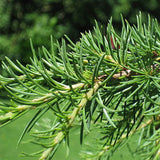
{"x": 10, "y": 134}
{"x": 37, "y": 19}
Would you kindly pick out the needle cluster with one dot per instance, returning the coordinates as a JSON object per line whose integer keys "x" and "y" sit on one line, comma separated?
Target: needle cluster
{"x": 110, "y": 81}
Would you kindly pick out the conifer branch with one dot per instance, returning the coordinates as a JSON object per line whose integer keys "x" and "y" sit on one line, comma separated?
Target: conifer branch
{"x": 60, "y": 135}
{"x": 108, "y": 81}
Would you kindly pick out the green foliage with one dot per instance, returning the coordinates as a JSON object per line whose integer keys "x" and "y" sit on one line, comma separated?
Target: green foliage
{"x": 36, "y": 19}
{"x": 105, "y": 82}
{"x": 20, "y": 22}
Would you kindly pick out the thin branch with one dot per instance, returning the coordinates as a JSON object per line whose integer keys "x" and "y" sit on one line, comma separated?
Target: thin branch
{"x": 106, "y": 148}
{"x": 60, "y": 136}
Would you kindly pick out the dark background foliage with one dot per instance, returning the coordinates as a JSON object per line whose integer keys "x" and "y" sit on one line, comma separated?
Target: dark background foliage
{"x": 36, "y": 19}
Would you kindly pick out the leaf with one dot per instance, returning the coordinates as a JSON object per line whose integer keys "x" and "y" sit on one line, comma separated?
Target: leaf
{"x": 31, "y": 123}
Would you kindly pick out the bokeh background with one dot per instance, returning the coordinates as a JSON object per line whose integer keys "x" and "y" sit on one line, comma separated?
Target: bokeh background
{"x": 37, "y": 19}
{"x": 21, "y": 20}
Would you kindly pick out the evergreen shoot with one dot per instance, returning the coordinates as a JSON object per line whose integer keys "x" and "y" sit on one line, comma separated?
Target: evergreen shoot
{"x": 108, "y": 82}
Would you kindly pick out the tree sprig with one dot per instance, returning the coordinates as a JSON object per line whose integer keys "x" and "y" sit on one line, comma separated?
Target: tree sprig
{"x": 107, "y": 81}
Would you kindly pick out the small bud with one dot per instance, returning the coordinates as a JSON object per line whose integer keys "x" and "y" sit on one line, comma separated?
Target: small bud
{"x": 85, "y": 61}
